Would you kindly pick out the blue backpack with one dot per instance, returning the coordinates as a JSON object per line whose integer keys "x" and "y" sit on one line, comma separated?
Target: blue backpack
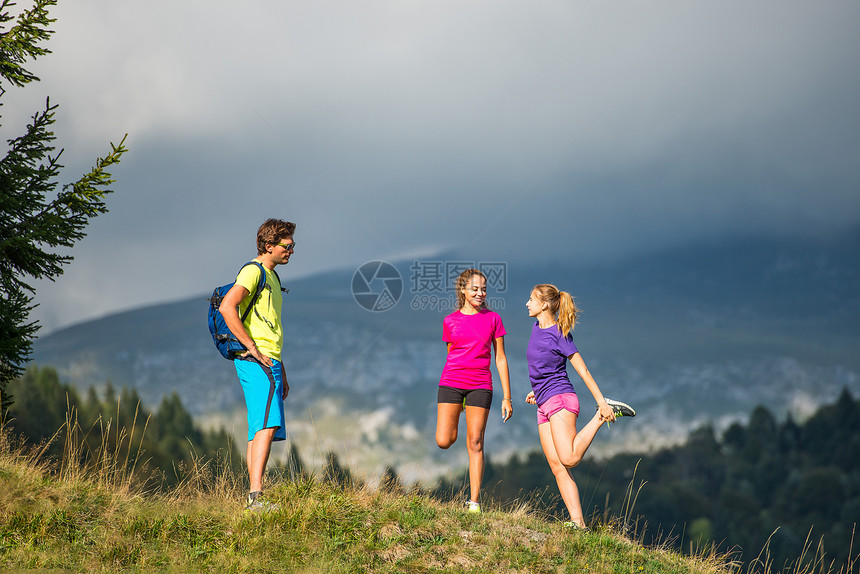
{"x": 227, "y": 343}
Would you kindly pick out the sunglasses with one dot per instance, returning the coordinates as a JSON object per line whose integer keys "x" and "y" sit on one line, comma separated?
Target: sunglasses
{"x": 288, "y": 246}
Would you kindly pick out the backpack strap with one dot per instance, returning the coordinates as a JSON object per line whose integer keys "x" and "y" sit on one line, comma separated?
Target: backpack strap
{"x": 279, "y": 282}
{"x": 261, "y": 284}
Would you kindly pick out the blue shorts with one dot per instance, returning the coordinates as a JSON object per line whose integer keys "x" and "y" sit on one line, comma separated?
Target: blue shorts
{"x": 264, "y": 392}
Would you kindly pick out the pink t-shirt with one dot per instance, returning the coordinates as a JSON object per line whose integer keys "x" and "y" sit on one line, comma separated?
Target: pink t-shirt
{"x": 471, "y": 338}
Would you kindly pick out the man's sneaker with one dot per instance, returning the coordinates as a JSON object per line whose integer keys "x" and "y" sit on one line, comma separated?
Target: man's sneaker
{"x": 473, "y": 507}
{"x": 621, "y": 409}
{"x": 575, "y": 526}
{"x": 261, "y": 506}
{"x": 257, "y": 504}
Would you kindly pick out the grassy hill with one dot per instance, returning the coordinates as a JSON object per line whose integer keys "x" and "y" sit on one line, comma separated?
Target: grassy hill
{"x": 60, "y": 516}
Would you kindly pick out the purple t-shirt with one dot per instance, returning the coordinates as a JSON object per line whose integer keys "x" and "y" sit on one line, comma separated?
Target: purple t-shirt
{"x": 547, "y": 355}
{"x": 471, "y": 338}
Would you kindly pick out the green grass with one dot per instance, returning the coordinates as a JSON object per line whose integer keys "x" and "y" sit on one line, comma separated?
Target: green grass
{"x": 59, "y": 516}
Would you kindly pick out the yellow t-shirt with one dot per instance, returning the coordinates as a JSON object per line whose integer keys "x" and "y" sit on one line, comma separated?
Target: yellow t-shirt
{"x": 263, "y": 323}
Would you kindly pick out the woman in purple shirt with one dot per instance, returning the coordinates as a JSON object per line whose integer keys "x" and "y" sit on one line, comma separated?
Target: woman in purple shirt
{"x": 550, "y": 347}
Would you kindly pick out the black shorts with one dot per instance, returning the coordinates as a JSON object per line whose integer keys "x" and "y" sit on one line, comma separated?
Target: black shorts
{"x": 482, "y": 398}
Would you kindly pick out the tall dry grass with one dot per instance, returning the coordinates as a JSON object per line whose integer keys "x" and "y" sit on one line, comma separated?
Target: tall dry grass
{"x": 96, "y": 510}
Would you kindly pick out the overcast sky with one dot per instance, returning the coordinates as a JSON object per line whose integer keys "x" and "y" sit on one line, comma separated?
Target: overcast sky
{"x": 391, "y": 130}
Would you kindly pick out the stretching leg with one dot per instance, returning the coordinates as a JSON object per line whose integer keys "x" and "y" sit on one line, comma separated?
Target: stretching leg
{"x": 447, "y": 421}
{"x": 570, "y": 446}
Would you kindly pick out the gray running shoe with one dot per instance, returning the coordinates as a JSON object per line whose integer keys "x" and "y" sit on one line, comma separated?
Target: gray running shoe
{"x": 261, "y": 506}
{"x": 257, "y": 504}
{"x": 621, "y": 409}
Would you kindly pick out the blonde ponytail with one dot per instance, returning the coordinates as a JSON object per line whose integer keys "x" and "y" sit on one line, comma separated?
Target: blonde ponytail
{"x": 561, "y": 305}
{"x": 567, "y": 313}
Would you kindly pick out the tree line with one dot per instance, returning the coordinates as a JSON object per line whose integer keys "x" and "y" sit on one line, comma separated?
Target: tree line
{"x": 163, "y": 445}
{"x": 167, "y": 439}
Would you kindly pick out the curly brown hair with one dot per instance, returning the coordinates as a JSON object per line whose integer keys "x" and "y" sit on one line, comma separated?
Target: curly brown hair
{"x": 462, "y": 281}
{"x": 273, "y": 231}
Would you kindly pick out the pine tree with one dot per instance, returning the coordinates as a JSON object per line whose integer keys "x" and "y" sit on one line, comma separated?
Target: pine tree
{"x": 35, "y": 219}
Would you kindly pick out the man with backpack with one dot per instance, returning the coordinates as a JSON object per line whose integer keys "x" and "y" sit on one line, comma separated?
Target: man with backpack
{"x": 260, "y": 369}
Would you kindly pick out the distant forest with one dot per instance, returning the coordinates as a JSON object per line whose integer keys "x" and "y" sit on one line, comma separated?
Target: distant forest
{"x": 162, "y": 445}
{"x": 766, "y": 483}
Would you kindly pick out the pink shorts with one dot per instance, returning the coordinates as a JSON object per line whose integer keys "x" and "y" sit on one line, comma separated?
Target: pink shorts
{"x": 566, "y": 401}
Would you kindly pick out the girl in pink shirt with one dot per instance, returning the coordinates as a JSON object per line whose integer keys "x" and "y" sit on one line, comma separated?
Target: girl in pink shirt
{"x": 471, "y": 332}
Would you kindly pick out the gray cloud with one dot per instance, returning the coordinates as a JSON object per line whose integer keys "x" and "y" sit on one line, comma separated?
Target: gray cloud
{"x": 395, "y": 129}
